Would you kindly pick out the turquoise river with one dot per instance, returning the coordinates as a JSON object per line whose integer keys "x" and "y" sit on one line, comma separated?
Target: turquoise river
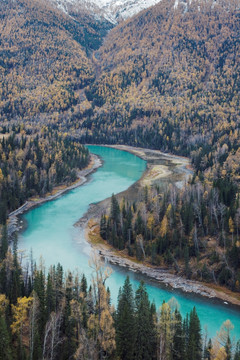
{"x": 51, "y": 234}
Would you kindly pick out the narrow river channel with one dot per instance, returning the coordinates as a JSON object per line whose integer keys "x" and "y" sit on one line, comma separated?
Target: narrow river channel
{"x": 51, "y": 234}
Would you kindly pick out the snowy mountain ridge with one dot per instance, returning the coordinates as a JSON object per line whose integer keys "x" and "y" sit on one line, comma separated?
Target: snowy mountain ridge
{"x": 112, "y": 10}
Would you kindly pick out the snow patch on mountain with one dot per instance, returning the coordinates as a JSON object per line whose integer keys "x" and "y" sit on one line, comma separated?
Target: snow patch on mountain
{"x": 123, "y": 9}
{"x": 112, "y": 10}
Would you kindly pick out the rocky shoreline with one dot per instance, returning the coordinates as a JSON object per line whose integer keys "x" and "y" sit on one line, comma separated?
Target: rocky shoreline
{"x": 165, "y": 277}
{"x": 181, "y": 167}
{"x": 13, "y": 219}
{"x": 160, "y": 275}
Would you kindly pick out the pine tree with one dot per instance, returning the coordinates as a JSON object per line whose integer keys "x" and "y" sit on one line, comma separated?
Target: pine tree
{"x": 5, "y": 347}
{"x": 194, "y": 350}
{"x": 178, "y": 346}
{"x": 103, "y": 227}
{"x": 59, "y": 285}
{"x": 145, "y": 348}
{"x": 4, "y": 243}
{"x": 186, "y": 329}
{"x": 69, "y": 346}
{"x": 115, "y": 210}
{"x": 3, "y": 211}
{"x": 39, "y": 288}
{"x": 16, "y": 283}
{"x": 83, "y": 286}
{"x": 237, "y": 351}
{"x": 125, "y": 322}
{"x": 207, "y": 350}
{"x": 50, "y": 298}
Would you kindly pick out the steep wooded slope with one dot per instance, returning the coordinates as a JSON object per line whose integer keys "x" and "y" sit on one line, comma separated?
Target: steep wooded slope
{"x": 43, "y": 57}
{"x": 170, "y": 80}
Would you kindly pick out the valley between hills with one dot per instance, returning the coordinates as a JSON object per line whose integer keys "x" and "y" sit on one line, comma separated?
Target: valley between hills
{"x": 163, "y": 81}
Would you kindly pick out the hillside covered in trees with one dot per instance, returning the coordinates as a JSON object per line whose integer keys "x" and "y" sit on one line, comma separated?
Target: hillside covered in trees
{"x": 169, "y": 80}
{"x": 44, "y": 62}
{"x": 32, "y": 162}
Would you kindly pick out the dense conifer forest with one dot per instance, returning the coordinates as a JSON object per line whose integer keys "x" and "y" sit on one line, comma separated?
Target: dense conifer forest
{"x": 32, "y": 162}
{"x": 193, "y": 231}
{"x": 52, "y": 315}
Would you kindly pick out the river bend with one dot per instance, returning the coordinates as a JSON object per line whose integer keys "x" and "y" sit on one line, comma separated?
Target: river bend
{"x": 51, "y": 234}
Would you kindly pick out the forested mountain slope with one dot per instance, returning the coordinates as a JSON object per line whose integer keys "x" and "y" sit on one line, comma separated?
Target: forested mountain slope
{"x": 43, "y": 60}
{"x": 170, "y": 80}
{"x": 167, "y": 78}
{"x": 33, "y": 162}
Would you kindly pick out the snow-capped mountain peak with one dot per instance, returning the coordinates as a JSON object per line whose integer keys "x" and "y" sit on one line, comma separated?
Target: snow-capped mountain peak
{"x": 112, "y": 10}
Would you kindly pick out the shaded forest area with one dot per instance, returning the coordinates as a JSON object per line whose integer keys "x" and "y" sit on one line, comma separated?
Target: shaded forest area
{"x": 55, "y": 316}
{"x": 32, "y": 162}
{"x": 193, "y": 231}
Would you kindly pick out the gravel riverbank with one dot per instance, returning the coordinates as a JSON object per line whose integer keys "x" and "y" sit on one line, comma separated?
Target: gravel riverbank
{"x": 161, "y": 169}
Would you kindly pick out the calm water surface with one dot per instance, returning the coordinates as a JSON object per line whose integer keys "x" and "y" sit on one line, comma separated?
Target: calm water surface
{"x": 50, "y": 233}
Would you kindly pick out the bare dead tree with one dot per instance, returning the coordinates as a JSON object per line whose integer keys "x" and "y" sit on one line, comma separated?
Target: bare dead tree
{"x": 139, "y": 240}
{"x": 34, "y": 312}
{"x": 162, "y": 347}
{"x": 52, "y": 335}
{"x": 87, "y": 348}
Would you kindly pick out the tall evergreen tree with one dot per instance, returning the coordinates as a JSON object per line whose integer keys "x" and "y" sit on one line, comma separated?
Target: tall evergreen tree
{"x": 194, "y": 349}
{"x": 178, "y": 346}
{"x": 4, "y": 243}
{"x": 50, "y": 296}
{"x": 145, "y": 348}
{"x": 16, "y": 283}
{"x": 115, "y": 210}
{"x": 39, "y": 288}
{"x": 207, "y": 353}
{"x": 103, "y": 227}
{"x": 237, "y": 351}
{"x": 5, "y": 347}
{"x": 125, "y": 322}
{"x": 69, "y": 345}
{"x": 83, "y": 286}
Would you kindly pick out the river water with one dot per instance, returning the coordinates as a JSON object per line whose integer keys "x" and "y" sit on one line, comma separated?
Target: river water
{"x": 52, "y": 237}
